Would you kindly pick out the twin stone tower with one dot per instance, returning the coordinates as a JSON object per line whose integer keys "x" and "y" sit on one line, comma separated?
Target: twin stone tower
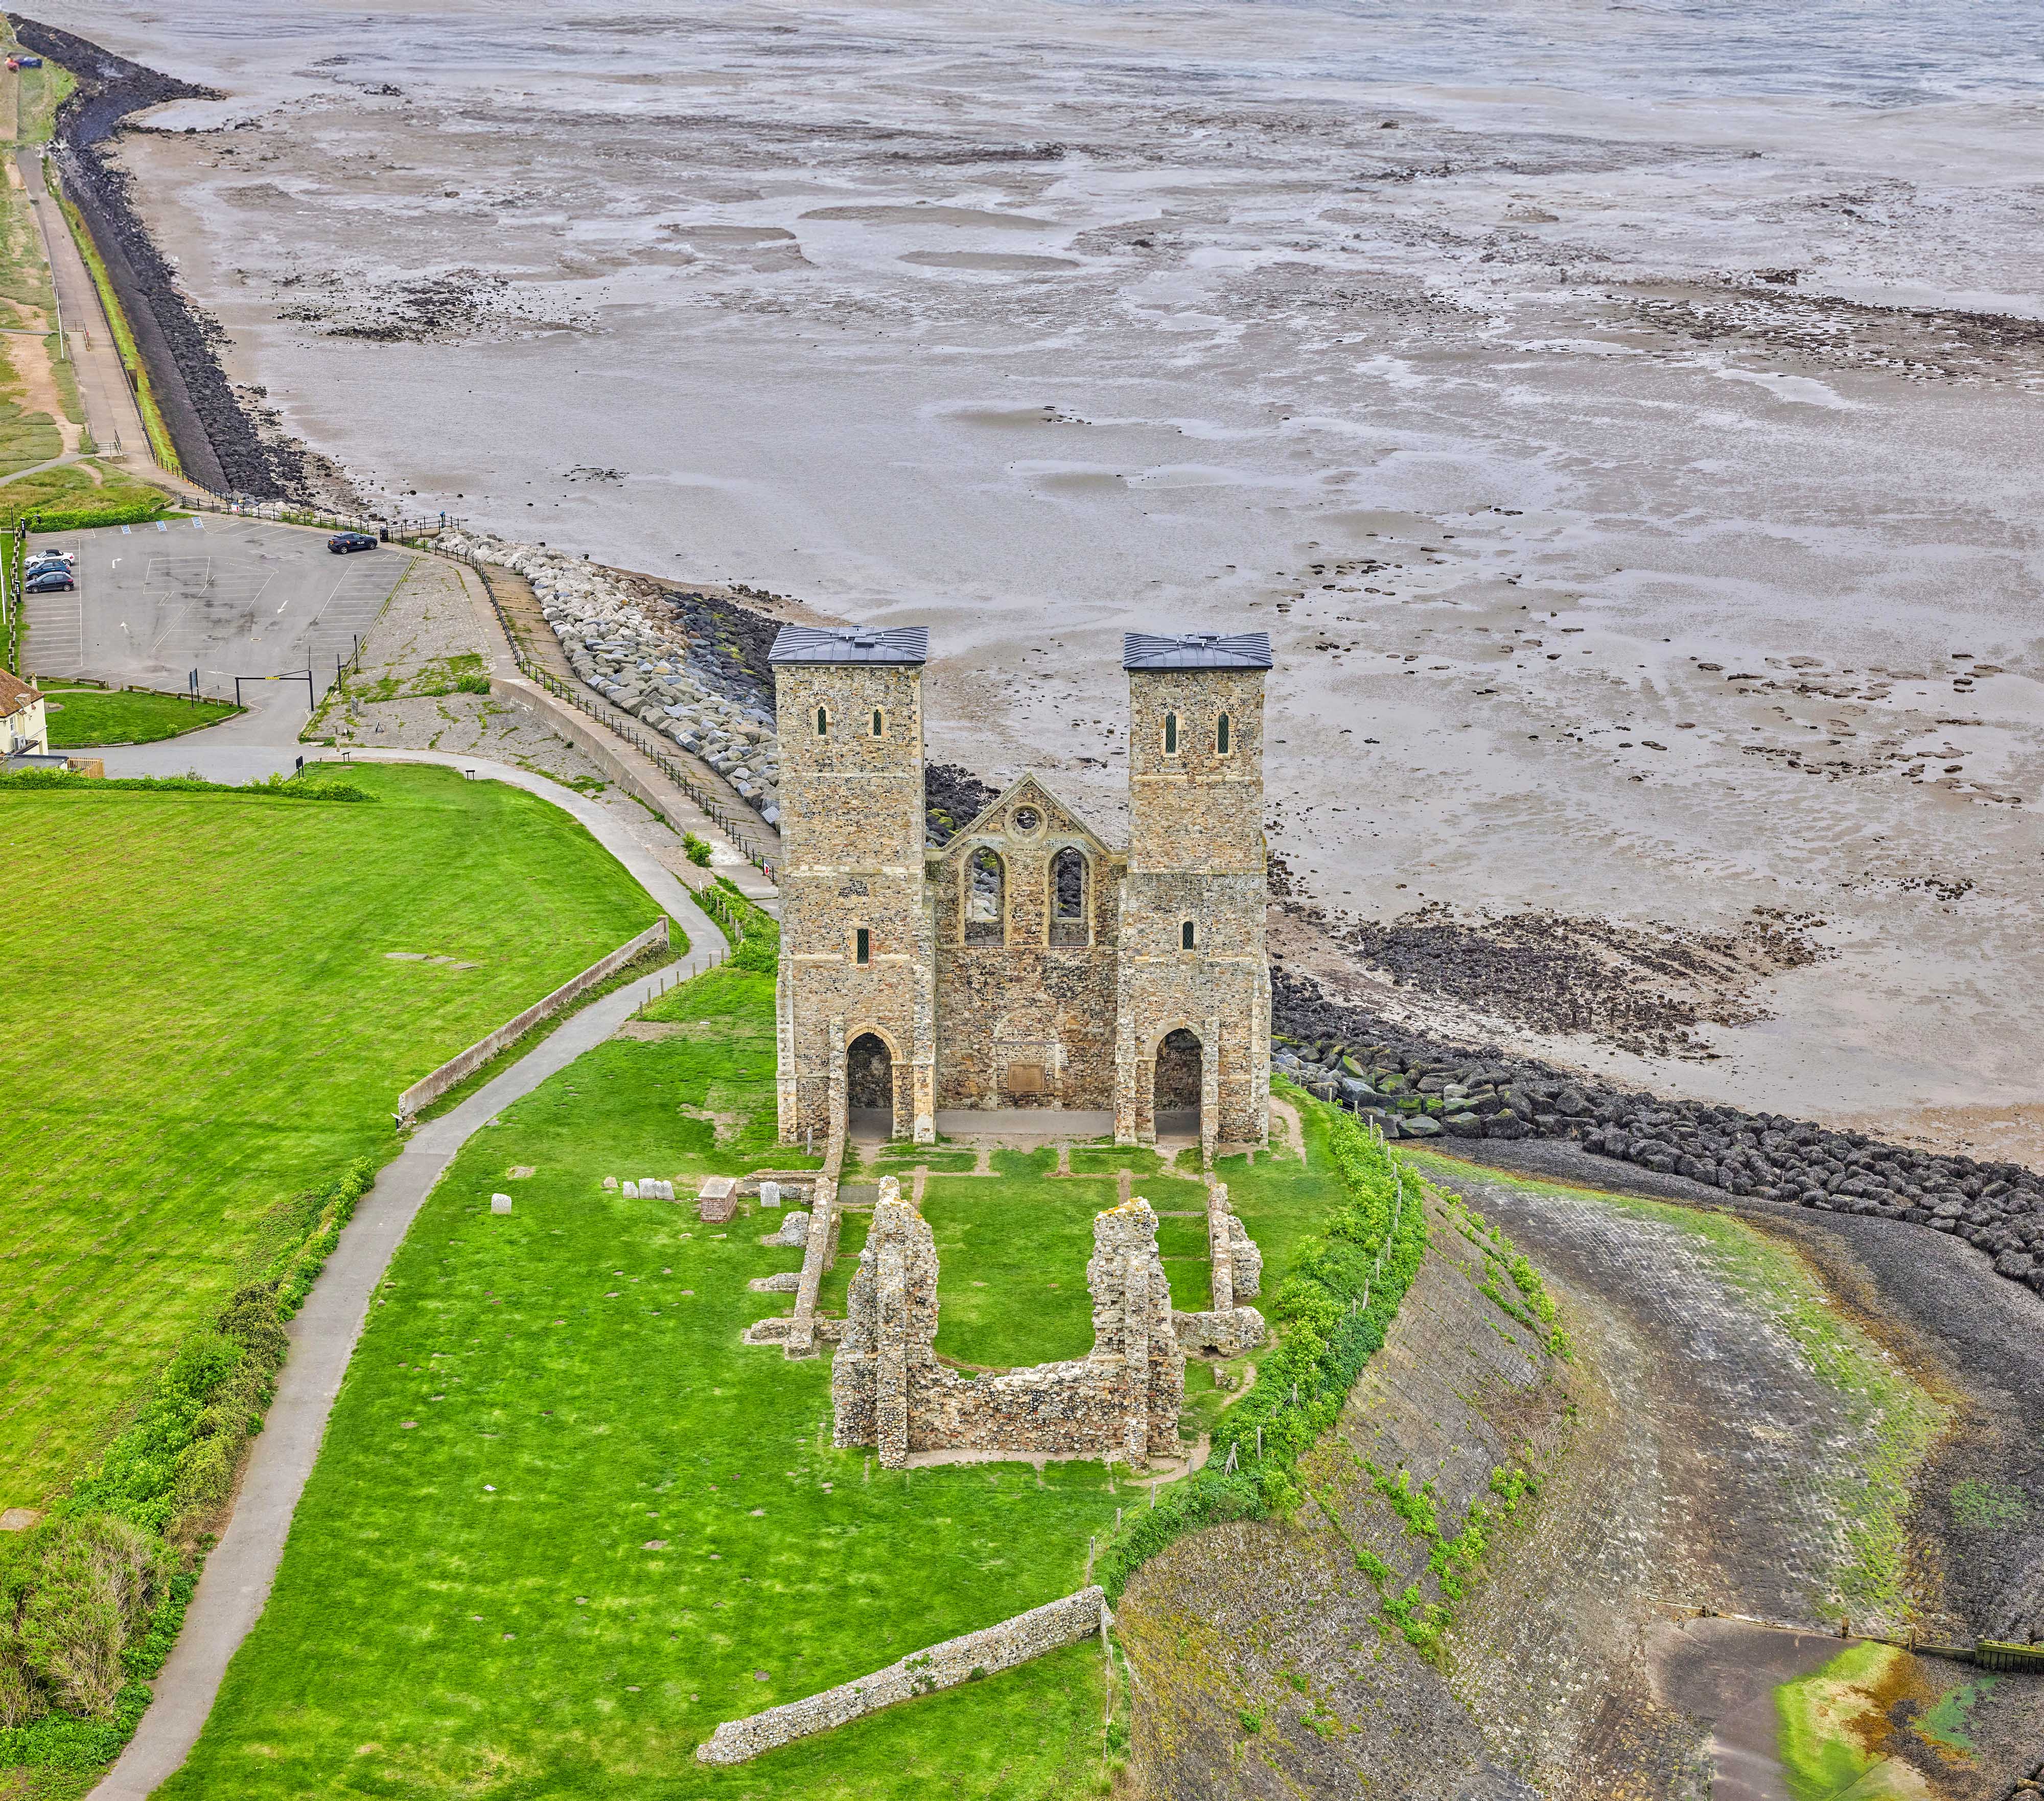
{"x": 1027, "y": 962}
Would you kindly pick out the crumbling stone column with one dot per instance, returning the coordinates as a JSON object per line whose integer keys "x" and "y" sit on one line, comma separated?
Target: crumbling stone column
{"x": 1220, "y": 1249}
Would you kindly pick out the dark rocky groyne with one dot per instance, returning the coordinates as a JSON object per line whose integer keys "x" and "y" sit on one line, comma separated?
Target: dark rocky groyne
{"x": 1417, "y": 1088}
{"x": 217, "y": 438}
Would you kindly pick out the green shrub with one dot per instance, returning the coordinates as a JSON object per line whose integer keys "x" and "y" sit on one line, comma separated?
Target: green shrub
{"x": 1330, "y": 1334}
{"x": 96, "y": 1579}
{"x": 759, "y": 947}
{"x": 472, "y": 684}
{"x": 698, "y": 849}
{"x": 283, "y": 787}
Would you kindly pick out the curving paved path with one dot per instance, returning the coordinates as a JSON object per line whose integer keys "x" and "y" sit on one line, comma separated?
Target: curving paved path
{"x": 237, "y": 1577}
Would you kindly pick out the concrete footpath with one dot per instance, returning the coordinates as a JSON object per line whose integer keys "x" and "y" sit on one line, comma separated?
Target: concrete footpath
{"x": 237, "y": 1577}
{"x": 111, "y": 414}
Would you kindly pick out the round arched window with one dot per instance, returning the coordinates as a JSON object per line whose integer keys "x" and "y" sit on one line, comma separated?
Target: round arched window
{"x": 1027, "y": 819}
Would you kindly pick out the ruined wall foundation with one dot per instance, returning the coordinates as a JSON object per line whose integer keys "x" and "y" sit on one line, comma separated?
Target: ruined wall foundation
{"x": 1120, "y": 1402}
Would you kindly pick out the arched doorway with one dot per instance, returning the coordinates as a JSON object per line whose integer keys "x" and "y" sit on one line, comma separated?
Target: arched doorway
{"x": 1176, "y": 1101}
{"x": 869, "y": 1087}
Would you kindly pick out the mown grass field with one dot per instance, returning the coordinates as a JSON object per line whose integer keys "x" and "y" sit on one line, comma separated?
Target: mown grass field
{"x": 565, "y": 1522}
{"x": 82, "y": 718}
{"x": 204, "y": 1024}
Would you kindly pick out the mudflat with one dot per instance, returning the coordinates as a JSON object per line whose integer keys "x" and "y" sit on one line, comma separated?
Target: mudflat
{"x": 1655, "y": 394}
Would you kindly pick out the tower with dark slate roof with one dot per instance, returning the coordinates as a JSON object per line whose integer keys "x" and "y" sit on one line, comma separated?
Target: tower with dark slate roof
{"x": 855, "y": 1019}
{"x": 1193, "y": 979}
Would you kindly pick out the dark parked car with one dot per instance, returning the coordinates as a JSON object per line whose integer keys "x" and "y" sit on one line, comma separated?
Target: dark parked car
{"x": 342, "y": 542}
{"x": 48, "y": 582}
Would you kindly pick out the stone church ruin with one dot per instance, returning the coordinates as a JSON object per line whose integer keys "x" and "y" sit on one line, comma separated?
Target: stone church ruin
{"x": 1027, "y": 962}
{"x": 1029, "y": 965}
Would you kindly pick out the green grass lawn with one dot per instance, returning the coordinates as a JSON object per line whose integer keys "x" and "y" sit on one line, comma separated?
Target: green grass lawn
{"x": 205, "y": 1025}
{"x": 82, "y": 716}
{"x": 1026, "y": 1238}
{"x": 565, "y": 1522}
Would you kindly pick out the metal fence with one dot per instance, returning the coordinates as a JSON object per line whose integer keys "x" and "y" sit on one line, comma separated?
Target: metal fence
{"x": 613, "y": 719}
{"x": 296, "y": 512}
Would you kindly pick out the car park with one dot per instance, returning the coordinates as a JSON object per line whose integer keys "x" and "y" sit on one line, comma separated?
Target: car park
{"x": 49, "y": 581}
{"x": 342, "y": 542}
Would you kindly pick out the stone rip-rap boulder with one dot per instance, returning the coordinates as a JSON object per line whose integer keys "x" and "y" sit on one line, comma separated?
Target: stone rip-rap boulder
{"x": 675, "y": 681}
{"x": 1416, "y": 1088}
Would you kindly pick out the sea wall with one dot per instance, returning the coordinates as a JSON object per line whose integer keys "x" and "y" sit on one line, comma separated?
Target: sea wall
{"x": 1271, "y": 1657}
{"x": 1420, "y": 1090}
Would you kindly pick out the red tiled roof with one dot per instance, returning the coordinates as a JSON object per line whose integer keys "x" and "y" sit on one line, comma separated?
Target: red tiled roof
{"x": 15, "y": 694}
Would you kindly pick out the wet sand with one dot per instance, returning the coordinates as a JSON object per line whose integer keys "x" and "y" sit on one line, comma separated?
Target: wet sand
{"x": 1527, "y": 429}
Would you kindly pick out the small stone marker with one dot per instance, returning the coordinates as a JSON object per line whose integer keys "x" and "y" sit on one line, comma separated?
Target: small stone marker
{"x": 500, "y": 1203}
{"x": 610, "y": 1181}
{"x": 631, "y": 1190}
{"x": 769, "y": 1194}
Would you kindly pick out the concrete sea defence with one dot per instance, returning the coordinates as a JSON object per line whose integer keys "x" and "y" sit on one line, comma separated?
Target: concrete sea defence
{"x": 1485, "y": 1588}
{"x": 219, "y": 442}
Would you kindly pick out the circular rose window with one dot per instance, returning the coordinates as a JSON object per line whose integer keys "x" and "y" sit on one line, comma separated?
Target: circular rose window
{"x": 1027, "y": 819}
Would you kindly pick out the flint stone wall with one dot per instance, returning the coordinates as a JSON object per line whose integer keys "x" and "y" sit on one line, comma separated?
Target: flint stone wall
{"x": 1122, "y": 1400}
{"x": 1221, "y": 1333}
{"x": 996, "y": 1648}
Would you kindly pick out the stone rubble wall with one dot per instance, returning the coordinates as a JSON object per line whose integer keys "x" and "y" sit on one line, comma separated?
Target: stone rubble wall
{"x": 1121, "y": 1401}
{"x": 1223, "y": 1332}
{"x": 819, "y": 1252}
{"x": 967, "y": 1659}
{"x": 1246, "y": 1258}
{"x": 642, "y": 664}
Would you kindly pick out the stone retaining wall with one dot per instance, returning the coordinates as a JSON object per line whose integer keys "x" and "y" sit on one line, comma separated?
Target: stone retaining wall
{"x": 977, "y": 1654}
{"x": 429, "y": 1088}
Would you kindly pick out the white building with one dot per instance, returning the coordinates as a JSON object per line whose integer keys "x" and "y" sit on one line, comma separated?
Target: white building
{"x": 24, "y": 727}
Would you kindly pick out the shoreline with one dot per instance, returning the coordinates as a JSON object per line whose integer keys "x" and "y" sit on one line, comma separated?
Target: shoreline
{"x": 216, "y": 436}
{"x": 1685, "y": 779}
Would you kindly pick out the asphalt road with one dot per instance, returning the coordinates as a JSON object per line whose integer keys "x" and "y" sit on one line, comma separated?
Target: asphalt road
{"x": 227, "y": 596}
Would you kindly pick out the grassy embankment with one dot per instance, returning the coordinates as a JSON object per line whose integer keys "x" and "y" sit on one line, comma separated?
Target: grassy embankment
{"x": 161, "y": 447}
{"x": 565, "y": 1522}
{"x": 209, "y": 1026}
{"x": 78, "y": 494}
{"x": 216, "y": 1037}
{"x": 80, "y": 718}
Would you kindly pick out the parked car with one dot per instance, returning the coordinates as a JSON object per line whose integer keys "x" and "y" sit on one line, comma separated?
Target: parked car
{"x": 342, "y": 542}
{"x": 37, "y": 559}
{"x": 49, "y": 582}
